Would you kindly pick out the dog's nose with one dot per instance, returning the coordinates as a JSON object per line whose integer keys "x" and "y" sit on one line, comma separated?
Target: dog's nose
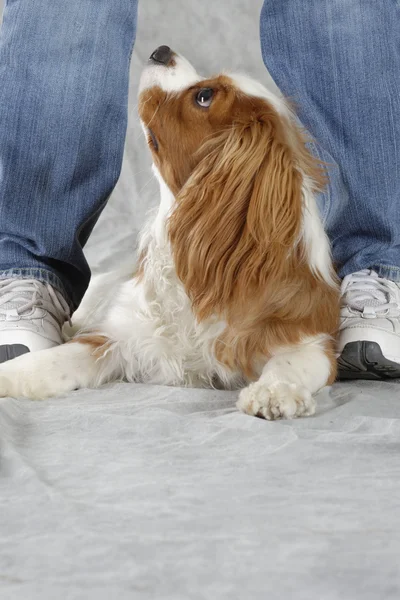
{"x": 162, "y": 55}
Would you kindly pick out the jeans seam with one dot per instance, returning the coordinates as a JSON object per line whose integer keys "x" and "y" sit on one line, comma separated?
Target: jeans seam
{"x": 390, "y": 272}
{"x": 391, "y": 267}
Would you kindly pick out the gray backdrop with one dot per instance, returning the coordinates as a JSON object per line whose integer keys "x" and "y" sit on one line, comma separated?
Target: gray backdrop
{"x": 149, "y": 492}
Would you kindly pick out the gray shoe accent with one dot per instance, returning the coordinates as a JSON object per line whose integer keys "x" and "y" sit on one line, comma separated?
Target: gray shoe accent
{"x": 364, "y": 360}
{"x": 12, "y": 351}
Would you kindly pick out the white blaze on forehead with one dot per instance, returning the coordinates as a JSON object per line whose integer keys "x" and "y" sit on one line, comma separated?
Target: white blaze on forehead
{"x": 170, "y": 79}
{"x": 251, "y": 87}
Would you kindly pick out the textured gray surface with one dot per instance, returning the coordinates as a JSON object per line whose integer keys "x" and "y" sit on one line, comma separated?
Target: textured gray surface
{"x": 161, "y": 493}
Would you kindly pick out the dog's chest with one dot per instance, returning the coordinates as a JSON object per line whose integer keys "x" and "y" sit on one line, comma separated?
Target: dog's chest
{"x": 156, "y": 320}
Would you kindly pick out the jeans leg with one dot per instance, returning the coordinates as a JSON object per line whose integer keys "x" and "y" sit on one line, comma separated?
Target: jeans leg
{"x": 64, "y": 69}
{"x": 339, "y": 60}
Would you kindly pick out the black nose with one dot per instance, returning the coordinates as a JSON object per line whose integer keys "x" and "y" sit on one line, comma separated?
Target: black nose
{"x": 162, "y": 55}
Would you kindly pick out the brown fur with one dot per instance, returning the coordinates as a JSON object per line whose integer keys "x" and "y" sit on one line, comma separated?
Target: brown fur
{"x": 235, "y": 230}
{"x": 99, "y": 343}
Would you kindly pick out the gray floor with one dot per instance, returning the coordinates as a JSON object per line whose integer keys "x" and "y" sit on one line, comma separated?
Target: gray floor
{"x": 162, "y": 493}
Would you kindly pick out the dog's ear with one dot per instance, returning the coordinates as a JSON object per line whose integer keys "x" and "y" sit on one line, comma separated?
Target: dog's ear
{"x": 238, "y": 217}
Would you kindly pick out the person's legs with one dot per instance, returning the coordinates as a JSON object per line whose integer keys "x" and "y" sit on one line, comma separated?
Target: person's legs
{"x": 64, "y": 68}
{"x": 339, "y": 61}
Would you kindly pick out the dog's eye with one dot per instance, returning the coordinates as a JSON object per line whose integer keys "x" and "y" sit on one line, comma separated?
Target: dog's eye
{"x": 153, "y": 140}
{"x": 204, "y": 97}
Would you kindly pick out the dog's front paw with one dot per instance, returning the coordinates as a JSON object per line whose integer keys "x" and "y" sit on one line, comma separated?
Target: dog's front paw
{"x": 15, "y": 385}
{"x": 35, "y": 386}
{"x": 277, "y": 401}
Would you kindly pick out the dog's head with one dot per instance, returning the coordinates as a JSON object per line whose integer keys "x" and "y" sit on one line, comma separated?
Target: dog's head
{"x": 234, "y": 159}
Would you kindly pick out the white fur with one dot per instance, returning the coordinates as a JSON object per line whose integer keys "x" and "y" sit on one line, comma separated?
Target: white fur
{"x": 170, "y": 78}
{"x": 254, "y": 88}
{"x": 49, "y": 372}
{"x": 154, "y": 336}
{"x": 315, "y": 238}
{"x": 288, "y": 381}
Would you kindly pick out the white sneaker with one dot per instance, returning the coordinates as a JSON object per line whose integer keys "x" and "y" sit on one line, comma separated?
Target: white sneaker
{"x": 369, "y": 333}
{"x": 31, "y": 317}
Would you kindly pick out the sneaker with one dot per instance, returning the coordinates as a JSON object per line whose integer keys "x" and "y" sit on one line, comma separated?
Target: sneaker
{"x": 31, "y": 317}
{"x": 369, "y": 333}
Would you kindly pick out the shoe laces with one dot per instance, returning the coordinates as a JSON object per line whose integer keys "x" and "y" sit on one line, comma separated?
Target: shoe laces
{"x": 25, "y": 295}
{"x": 369, "y": 294}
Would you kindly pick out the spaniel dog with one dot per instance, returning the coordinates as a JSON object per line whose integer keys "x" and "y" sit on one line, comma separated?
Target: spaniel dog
{"x": 233, "y": 285}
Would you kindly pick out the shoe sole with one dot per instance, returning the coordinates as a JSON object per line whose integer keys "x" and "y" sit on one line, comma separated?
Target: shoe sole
{"x": 9, "y": 351}
{"x": 364, "y": 360}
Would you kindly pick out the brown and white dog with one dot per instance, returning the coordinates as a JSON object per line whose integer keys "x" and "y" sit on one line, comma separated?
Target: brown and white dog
{"x": 233, "y": 285}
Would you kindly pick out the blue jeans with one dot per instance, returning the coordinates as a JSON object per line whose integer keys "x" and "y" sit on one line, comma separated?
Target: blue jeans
{"x": 64, "y": 69}
{"x": 339, "y": 61}
{"x": 63, "y": 109}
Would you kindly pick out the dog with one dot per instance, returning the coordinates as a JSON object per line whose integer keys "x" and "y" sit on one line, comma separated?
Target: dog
{"x": 233, "y": 285}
